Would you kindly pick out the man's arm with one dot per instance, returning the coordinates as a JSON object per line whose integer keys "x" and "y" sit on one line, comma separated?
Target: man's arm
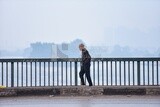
{"x": 86, "y": 57}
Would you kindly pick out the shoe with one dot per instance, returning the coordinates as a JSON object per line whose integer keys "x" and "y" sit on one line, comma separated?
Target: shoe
{"x": 90, "y": 85}
{"x": 83, "y": 84}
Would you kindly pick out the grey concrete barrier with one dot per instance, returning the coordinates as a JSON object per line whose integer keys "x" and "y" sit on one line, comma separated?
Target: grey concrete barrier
{"x": 80, "y": 91}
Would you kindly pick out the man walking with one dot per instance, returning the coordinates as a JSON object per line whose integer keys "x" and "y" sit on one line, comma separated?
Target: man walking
{"x": 85, "y": 65}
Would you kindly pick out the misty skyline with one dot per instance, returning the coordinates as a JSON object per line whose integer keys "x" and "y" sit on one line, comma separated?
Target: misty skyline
{"x": 71, "y": 50}
{"x": 134, "y": 23}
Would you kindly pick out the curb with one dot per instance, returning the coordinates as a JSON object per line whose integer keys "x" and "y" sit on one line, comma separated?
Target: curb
{"x": 80, "y": 91}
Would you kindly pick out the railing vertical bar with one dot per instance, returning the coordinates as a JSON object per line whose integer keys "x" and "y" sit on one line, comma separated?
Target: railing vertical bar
{"x": 26, "y": 73}
{"x": 152, "y": 72}
{"x": 62, "y": 73}
{"x": 148, "y": 71}
{"x": 22, "y": 74}
{"x": 138, "y": 73}
{"x": 98, "y": 72}
{"x": 116, "y": 73}
{"x": 12, "y": 74}
{"x": 129, "y": 73}
{"x": 44, "y": 73}
{"x": 107, "y": 72}
{"x": 57, "y": 73}
{"x": 133, "y": 74}
{"x": 53, "y": 72}
{"x": 7, "y": 74}
{"x": 94, "y": 72}
{"x": 17, "y": 74}
{"x": 76, "y": 81}
{"x": 66, "y": 74}
{"x": 120, "y": 72}
{"x": 35, "y": 76}
{"x": 40, "y": 83}
{"x": 2, "y": 74}
{"x": 31, "y": 73}
{"x": 124, "y": 72}
{"x": 157, "y": 74}
{"x": 102, "y": 74}
{"x": 70, "y": 73}
{"x": 48, "y": 73}
{"x": 111, "y": 74}
{"x": 143, "y": 72}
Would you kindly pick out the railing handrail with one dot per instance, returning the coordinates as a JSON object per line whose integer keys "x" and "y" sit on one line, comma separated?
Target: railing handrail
{"x": 78, "y": 59}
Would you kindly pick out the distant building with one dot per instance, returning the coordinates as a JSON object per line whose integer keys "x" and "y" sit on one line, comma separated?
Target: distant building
{"x": 51, "y": 50}
{"x": 41, "y": 50}
{"x": 59, "y": 51}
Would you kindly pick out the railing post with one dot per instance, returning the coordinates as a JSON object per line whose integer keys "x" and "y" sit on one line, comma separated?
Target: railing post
{"x": 12, "y": 74}
{"x": 76, "y": 79}
{"x": 138, "y": 72}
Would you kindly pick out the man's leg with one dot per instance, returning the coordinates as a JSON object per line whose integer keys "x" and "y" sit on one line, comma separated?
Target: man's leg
{"x": 87, "y": 71}
{"x": 81, "y": 74}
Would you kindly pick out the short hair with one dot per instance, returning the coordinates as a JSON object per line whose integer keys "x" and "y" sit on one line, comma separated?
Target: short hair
{"x": 81, "y": 45}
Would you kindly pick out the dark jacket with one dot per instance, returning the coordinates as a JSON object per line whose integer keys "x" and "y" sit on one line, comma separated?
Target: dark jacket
{"x": 86, "y": 58}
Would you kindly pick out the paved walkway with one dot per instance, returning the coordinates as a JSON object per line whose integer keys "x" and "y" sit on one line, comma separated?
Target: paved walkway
{"x": 92, "y": 101}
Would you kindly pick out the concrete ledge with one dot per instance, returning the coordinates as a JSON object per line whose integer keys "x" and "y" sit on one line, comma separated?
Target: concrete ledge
{"x": 125, "y": 91}
{"x": 80, "y": 91}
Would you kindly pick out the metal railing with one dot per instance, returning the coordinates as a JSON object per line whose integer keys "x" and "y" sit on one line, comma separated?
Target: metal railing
{"x": 65, "y": 72}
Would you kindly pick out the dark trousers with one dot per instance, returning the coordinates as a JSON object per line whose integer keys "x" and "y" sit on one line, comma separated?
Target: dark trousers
{"x": 85, "y": 69}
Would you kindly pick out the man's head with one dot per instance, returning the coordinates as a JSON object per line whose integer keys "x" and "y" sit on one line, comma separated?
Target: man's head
{"x": 81, "y": 46}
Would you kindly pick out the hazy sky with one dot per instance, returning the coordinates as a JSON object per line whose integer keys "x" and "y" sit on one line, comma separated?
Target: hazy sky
{"x": 134, "y": 23}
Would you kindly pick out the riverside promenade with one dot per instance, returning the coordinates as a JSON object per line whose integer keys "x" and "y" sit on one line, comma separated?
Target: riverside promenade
{"x": 123, "y": 82}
